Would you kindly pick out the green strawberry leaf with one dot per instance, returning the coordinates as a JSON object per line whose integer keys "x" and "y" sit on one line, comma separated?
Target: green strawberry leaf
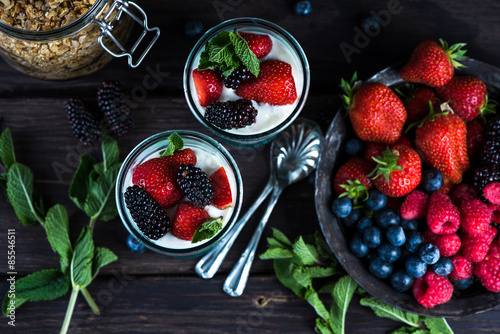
{"x": 102, "y": 257}
{"x": 283, "y": 269}
{"x": 110, "y": 152}
{"x": 247, "y": 57}
{"x": 207, "y": 229}
{"x": 100, "y": 200}
{"x": 79, "y": 187}
{"x": 342, "y": 295}
{"x": 175, "y": 142}
{"x": 81, "y": 263}
{"x": 7, "y": 154}
{"x": 438, "y": 325}
{"x": 381, "y": 309}
{"x": 303, "y": 253}
{"x": 57, "y": 229}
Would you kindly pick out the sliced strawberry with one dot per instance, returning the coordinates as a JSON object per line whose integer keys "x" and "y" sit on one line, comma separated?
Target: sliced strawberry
{"x": 259, "y": 44}
{"x": 222, "y": 190}
{"x": 208, "y": 86}
{"x": 274, "y": 85}
{"x": 187, "y": 220}
{"x": 158, "y": 176}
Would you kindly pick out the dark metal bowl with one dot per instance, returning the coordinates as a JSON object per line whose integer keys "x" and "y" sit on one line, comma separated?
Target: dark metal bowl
{"x": 474, "y": 300}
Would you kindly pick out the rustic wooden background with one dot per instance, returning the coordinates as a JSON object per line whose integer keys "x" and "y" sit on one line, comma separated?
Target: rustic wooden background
{"x": 151, "y": 293}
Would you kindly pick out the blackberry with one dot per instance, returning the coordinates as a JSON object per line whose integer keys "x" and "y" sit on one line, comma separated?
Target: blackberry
{"x": 147, "y": 214}
{"x": 111, "y": 101}
{"x": 195, "y": 184}
{"x": 236, "y": 78}
{"x": 485, "y": 175}
{"x": 493, "y": 128}
{"x": 83, "y": 123}
{"x": 231, "y": 114}
{"x": 491, "y": 151}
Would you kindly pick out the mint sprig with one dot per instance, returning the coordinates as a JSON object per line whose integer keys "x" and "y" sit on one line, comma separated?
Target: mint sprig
{"x": 175, "y": 142}
{"x": 228, "y": 50}
{"x": 207, "y": 229}
{"x": 298, "y": 264}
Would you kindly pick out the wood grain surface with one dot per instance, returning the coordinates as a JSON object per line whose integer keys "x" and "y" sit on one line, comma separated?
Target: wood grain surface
{"x": 151, "y": 293}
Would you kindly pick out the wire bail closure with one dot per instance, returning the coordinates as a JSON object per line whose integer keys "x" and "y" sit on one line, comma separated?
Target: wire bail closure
{"x": 122, "y": 6}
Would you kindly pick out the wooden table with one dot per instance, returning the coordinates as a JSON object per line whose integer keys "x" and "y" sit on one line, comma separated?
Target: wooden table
{"x": 152, "y": 293}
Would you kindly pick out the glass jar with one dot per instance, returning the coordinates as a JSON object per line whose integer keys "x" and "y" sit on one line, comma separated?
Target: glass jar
{"x": 80, "y": 47}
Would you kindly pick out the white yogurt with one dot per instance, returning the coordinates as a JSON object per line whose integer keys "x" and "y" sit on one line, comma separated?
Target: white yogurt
{"x": 209, "y": 163}
{"x": 268, "y": 116}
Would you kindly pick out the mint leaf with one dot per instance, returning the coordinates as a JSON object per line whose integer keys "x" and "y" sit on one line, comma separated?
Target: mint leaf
{"x": 304, "y": 253}
{"x": 79, "y": 187}
{"x": 11, "y": 302}
{"x": 81, "y": 263}
{"x": 301, "y": 277}
{"x": 273, "y": 243}
{"x": 313, "y": 299}
{"x": 110, "y": 152}
{"x": 283, "y": 269}
{"x": 102, "y": 257}
{"x": 342, "y": 294}
{"x": 42, "y": 285}
{"x": 323, "y": 327}
{"x": 175, "y": 142}
{"x": 248, "y": 58}
{"x": 7, "y": 154}
{"x": 410, "y": 330}
{"x": 317, "y": 271}
{"x": 381, "y": 309}
{"x": 57, "y": 229}
{"x": 207, "y": 229}
{"x": 276, "y": 253}
{"x": 279, "y": 236}
{"x": 100, "y": 201}
{"x": 20, "y": 193}
{"x": 438, "y": 325}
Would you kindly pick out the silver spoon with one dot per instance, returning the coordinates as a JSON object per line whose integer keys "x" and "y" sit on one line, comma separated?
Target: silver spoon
{"x": 294, "y": 155}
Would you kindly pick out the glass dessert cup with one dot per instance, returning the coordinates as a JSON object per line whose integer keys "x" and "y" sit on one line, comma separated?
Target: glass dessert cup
{"x": 274, "y": 123}
{"x": 215, "y": 156}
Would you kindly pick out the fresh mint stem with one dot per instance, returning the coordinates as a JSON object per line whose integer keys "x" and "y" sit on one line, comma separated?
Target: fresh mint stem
{"x": 69, "y": 311}
{"x": 90, "y": 301}
{"x": 92, "y": 223}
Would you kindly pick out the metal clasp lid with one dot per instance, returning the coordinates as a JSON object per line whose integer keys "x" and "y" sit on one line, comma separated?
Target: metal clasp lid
{"x": 122, "y": 6}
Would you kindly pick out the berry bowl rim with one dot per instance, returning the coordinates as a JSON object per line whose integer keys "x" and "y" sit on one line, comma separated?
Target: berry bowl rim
{"x": 462, "y": 304}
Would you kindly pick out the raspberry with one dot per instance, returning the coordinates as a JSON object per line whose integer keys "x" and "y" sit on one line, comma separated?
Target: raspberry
{"x": 111, "y": 101}
{"x": 195, "y": 184}
{"x": 476, "y": 247}
{"x": 475, "y": 216}
{"x": 494, "y": 250}
{"x": 147, "y": 214}
{"x": 462, "y": 268}
{"x": 463, "y": 192}
{"x": 432, "y": 289}
{"x": 236, "y": 78}
{"x": 448, "y": 244}
{"x": 415, "y": 205}
{"x": 231, "y": 114}
{"x": 442, "y": 216}
{"x": 488, "y": 271}
{"x": 83, "y": 123}
{"x": 492, "y": 192}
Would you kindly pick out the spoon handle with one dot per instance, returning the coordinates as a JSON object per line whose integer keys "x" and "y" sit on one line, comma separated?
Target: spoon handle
{"x": 211, "y": 262}
{"x": 237, "y": 279}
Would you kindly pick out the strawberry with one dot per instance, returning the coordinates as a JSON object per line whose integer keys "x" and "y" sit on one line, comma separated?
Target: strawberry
{"x": 417, "y": 102}
{"x": 187, "y": 220}
{"x": 376, "y": 112}
{"x": 401, "y": 169}
{"x": 467, "y": 97}
{"x": 274, "y": 85}
{"x": 259, "y": 44}
{"x": 442, "y": 216}
{"x": 222, "y": 189}
{"x": 158, "y": 176}
{"x": 355, "y": 169}
{"x": 442, "y": 142}
{"x": 208, "y": 86}
{"x": 475, "y": 138}
{"x": 432, "y": 63}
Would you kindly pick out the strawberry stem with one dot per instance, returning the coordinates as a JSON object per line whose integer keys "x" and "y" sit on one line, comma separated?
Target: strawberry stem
{"x": 387, "y": 163}
{"x": 354, "y": 190}
{"x": 488, "y": 107}
{"x": 349, "y": 89}
{"x": 455, "y": 53}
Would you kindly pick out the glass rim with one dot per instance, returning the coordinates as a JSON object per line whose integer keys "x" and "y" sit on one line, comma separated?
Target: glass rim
{"x": 304, "y": 64}
{"x": 130, "y": 224}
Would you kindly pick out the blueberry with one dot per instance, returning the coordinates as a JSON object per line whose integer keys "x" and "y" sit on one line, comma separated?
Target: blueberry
{"x": 376, "y": 200}
{"x": 429, "y": 253}
{"x": 443, "y": 267}
{"x": 415, "y": 267}
{"x": 135, "y": 245}
{"x": 432, "y": 179}
{"x": 371, "y": 256}
{"x": 396, "y": 236}
{"x": 414, "y": 240}
{"x": 464, "y": 284}
{"x": 354, "y": 146}
{"x": 303, "y": 8}
{"x": 409, "y": 225}
{"x": 363, "y": 224}
{"x": 341, "y": 207}
{"x": 353, "y": 218}
{"x": 387, "y": 217}
{"x": 388, "y": 252}
{"x": 358, "y": 247}
{"x": 370, "y": 25}
{"x": 193, "y": 28}
{"x": 401, "y": 281}
{"x": 372, "y": 237}
{"x": 380, "y": 268}
{"x": 405, "y": 254}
